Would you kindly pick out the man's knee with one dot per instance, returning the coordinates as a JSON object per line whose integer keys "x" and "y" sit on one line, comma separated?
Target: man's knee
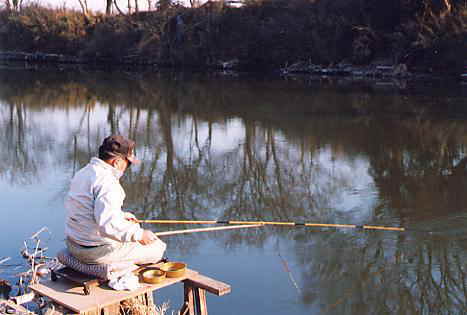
{"x": 151, "y": 253}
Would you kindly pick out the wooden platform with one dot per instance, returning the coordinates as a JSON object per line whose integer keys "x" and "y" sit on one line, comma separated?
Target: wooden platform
{"x": 71, "y": 296}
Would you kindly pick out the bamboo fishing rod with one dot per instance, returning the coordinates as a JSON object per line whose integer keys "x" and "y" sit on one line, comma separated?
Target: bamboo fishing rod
{"x": 351, "y": 226}
{"x": 207, "y": 229}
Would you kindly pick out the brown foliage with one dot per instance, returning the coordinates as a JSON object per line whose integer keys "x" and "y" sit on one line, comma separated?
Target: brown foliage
{"x": 37, "y": 28}
{"x": 261, "y": 34}
{"x": 437, "y": 41}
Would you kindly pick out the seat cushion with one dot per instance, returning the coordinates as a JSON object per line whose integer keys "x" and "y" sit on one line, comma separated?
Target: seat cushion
{"x": 100, "y": 271}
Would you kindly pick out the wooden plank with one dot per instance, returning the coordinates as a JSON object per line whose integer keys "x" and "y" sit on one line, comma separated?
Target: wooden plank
{"x": 71, "y": 296}
{"x": 213, "y": 286}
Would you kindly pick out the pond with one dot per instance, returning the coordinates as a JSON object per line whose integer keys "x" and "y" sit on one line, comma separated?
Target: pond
{"x": 225, "y": 147}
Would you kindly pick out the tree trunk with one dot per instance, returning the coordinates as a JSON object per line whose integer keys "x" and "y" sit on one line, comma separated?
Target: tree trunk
{"x": 194, "y": 3}
{"x": 447, "y": 8}
{"x": 118, "y": 8}
{"x": 15, "y": 4}
{"x": 108, "y": 7}
{"x": 164, "y": 4}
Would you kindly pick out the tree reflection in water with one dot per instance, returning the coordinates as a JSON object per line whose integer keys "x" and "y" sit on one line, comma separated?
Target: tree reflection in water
{"x": 333, "y": 155}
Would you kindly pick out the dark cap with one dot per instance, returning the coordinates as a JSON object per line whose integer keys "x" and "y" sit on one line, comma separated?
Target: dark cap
{"x": 119, "y": 146}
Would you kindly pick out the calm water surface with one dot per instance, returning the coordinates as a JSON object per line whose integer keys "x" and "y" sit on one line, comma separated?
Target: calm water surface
{"x": 381, "y": 153}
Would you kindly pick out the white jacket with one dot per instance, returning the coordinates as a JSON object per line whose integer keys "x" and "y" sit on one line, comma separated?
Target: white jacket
{"x": 94, "y": 207}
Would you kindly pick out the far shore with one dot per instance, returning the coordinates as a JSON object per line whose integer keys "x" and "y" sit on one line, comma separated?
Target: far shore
{"x": 375, "y": 71}
{"x": 285, "y": 37}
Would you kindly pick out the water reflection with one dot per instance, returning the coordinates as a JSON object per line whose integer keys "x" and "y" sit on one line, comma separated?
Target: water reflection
{"x": 249, "y": 149}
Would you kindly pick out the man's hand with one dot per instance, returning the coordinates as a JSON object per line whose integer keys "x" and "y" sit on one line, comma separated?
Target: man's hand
{"x": 130, "y": 217}
{"x": 147, "y": 238}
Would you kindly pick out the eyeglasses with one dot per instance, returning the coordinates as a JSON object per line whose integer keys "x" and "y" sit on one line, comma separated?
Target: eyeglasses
{"x": 125, "y": 159}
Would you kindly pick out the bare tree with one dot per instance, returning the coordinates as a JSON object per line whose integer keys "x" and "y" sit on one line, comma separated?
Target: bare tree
{"x": 108, "y": 7}
{"x": 13, "y": 4}
{"x": 84, "y": 6}
{"x": 132, "y": 6}
{"x": 7, "y": 4}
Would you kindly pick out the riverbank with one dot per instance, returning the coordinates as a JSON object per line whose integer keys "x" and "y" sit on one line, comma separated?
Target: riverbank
{"x": 287, "y": 37}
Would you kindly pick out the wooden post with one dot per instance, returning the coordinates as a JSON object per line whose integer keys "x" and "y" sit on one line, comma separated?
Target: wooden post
{"x": 188, "y": 307}
{"x": 150, "y": 300}
{"x": 110, "y": 310}
{"x": 200, "y": 301}
{"x": 195, "y": 301}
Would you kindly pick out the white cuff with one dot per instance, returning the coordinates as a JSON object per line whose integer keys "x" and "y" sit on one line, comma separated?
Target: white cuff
{"x": 138, "y": 236}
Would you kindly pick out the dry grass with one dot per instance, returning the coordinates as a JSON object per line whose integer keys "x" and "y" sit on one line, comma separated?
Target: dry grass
{"x": 136, "y": 306}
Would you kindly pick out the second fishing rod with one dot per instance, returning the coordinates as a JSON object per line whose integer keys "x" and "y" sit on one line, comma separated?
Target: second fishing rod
{"x": 324, "y": 225}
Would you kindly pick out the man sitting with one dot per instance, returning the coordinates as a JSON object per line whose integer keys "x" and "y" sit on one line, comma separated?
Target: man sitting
{"x": 97, "y": 230}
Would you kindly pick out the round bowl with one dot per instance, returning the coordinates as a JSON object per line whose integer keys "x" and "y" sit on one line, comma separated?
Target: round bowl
{"x": 153, "y": 275}
{"x": 174, "y": 269}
